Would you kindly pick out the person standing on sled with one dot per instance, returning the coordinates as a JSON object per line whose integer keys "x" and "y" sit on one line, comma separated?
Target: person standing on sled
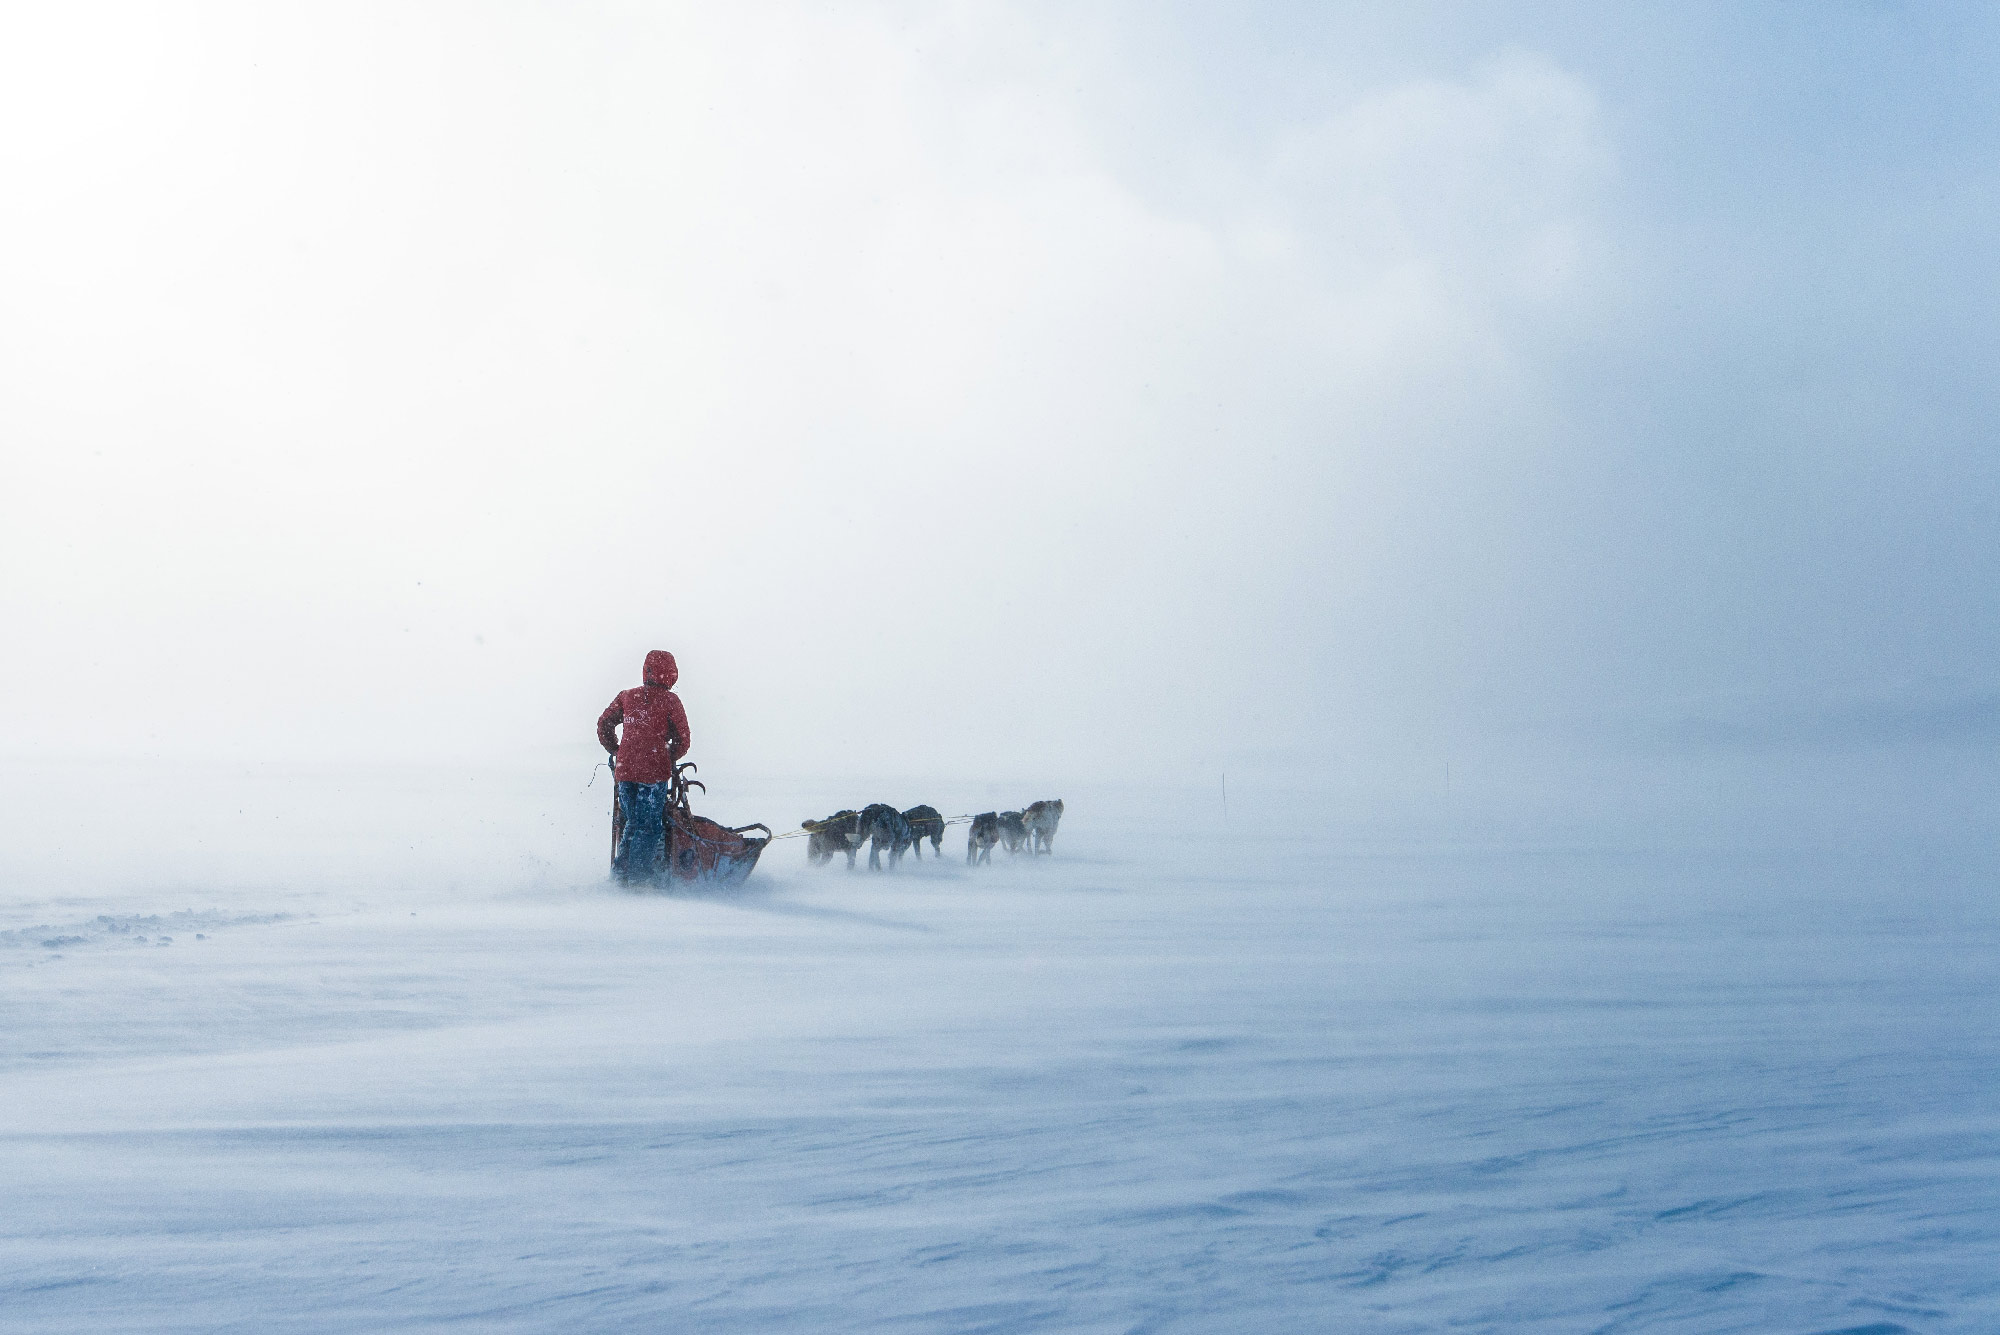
{"x": 656, "y": 737}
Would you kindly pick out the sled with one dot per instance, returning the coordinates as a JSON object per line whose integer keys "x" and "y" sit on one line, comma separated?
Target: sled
{"x": 698, "y": 850}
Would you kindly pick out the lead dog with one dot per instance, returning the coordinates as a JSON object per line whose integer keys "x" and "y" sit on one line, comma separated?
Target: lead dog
{"x": 1041, "y": 820}
{"x": 838, "y": 833}
{"x": 984, "y": 834}
{"x": 1013, "y": 831}
{"x": 925, "y": 823}
{"x": 882, "y": 826}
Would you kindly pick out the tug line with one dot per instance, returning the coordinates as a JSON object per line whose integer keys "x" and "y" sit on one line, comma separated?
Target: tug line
{"x": 793, "y": 834}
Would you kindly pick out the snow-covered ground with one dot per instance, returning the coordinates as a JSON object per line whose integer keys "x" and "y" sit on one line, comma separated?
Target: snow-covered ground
{"x": 379, "y": 1051}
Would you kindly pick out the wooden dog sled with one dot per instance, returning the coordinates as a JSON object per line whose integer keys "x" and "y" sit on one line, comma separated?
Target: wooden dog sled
{"x": 698, "y": 850}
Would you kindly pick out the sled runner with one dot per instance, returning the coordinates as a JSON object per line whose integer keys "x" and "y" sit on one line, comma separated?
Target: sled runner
{"x": 697, "y": 849}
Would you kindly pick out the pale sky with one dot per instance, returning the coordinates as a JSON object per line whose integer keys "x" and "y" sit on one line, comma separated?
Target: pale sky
{"x": 997, "y": 388}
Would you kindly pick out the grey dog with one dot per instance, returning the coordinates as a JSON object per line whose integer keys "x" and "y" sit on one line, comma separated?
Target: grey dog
{"x": 1041, "y": 820}
{"x": 882, "y": 826}
{"x": 925, "y": 823}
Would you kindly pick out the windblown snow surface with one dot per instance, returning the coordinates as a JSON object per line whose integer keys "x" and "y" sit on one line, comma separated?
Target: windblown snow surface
{"x": 381, "y": 1052}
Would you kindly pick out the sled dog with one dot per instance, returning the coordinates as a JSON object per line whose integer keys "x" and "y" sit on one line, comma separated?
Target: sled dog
{"x": 1013, "y": 831}
{"x": 984, "y": 834}
{"x": 838, "y": 833}
{"x": 882, "y": 826}
{"x": 925, "y": 823}
{"x": 1041, "y": 820}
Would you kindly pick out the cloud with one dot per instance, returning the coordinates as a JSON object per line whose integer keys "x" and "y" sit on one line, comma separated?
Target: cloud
{"x": 400, "y": 373}
{"x": 1847, "y": 725}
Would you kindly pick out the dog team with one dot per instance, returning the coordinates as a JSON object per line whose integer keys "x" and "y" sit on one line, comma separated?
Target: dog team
{"x": 883, "y": 829}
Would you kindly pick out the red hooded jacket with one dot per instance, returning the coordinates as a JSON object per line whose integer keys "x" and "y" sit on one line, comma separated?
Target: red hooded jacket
{"x": 656, "y": 727}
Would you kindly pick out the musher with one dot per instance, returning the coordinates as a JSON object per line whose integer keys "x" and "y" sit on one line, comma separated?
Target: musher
{"x": 656, "y": 736}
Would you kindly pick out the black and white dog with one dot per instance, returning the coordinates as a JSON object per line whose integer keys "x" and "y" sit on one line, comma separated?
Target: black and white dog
{"x": 1013, "y": 831}
{"x": 984, "y": 834}
{"x": 1041, "y": 820}
{"x": 882, "y": 826}
{"x": 925, "y": 823}
{"x": 838, "y": 833}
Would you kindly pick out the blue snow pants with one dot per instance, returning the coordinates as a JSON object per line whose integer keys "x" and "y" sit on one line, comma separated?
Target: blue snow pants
{"x": 642, "y": 845}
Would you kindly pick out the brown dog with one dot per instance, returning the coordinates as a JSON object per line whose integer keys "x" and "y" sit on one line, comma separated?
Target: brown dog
{"x": 838, "y": 833}
{"x": 984, "y": 834}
